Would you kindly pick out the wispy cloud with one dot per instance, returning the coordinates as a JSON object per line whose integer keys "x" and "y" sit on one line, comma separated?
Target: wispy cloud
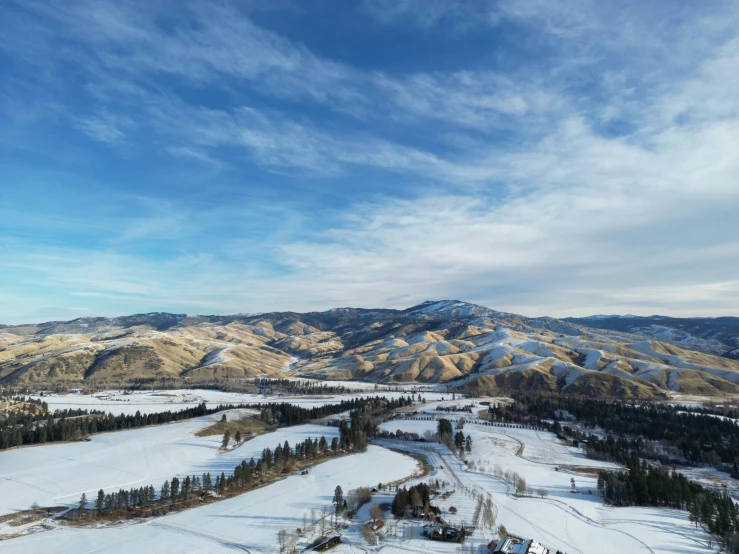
{"x": 106, "y": 128}
{"x": 589, "y": 165}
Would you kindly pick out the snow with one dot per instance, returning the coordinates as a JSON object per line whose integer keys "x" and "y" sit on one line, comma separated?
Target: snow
{"x": 571, "y": 522}
{"x": 146, "y": 402}
{"x": 58, "y": 474}
{"x": 248, "y": 522}
{"x": 216, "y": 357}
{"x": 452, "y": 308}
{"x": 575, "y": 522}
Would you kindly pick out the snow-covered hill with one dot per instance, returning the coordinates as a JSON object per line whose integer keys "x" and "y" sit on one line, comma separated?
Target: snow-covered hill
{"x": 712, "y": 335}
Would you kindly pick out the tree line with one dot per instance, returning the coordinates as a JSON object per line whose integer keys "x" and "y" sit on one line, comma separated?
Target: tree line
{"x": 409, "y": 499}
{"x": 285, "y": 414}
{"x": 698, "y": 436}
{"x": 645, "y": 485}
{"x": 66, "y": 425}
{"x": 280, "y": 459}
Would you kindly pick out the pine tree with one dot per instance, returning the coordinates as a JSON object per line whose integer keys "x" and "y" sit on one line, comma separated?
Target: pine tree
{"x": 338, "y": 498}
{"x": 226, "y": 439}
{"x": 100, "y": 501}
{"x": 165, "y": 492}
{"x": 82, "y": 504}
{"x": 175, "y": 489}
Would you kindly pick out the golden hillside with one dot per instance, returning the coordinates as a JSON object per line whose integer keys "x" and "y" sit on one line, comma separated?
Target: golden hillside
{"x": 451, "y": 343}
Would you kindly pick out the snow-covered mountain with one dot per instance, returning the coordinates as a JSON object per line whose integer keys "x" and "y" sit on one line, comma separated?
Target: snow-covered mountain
{"x": 712, "y": 335}
{"x": 447, "y": 342}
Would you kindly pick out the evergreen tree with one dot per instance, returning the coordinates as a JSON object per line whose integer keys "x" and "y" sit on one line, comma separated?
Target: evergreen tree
{"x": 338, "y": 498}
{"x": 165, "y": 492}
{"x": 82, "y": 504}
{"x": 174, "y": 489}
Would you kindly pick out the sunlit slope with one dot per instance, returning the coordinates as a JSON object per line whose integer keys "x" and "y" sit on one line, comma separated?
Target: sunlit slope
{"x": 448, "y": 342}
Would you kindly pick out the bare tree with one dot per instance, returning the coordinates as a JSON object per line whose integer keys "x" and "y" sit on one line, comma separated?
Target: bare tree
{"x": 543, "y": 493}
{"x": 282, "y": 539}
{"x": 375, "y": 512}
{"x": 489, "y": 513}
{"x": 369, "y": 535}
{"x": 520, "y": 483}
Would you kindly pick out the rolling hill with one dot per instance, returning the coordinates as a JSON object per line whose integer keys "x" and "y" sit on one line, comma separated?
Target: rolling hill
{"x": 448, "y": 342}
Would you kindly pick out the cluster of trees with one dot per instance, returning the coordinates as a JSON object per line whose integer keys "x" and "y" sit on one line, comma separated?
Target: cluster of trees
{"x": 456, "y": 442}
{"x": 405, "y": 500}
{"x": 655, "y": 431}
{"x": 356, "y": 498}
{"x": 645, "y": 485}
{"x": 143, "y": 497}
{"x": 462, "y": 443}
{"x": 285, "y": 414}
{"x": 291, "y": 386}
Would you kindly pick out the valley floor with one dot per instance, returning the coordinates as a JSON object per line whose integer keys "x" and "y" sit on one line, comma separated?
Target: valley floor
{"x": 574, "y": 521}
{"x": 249, "y": 522}
{"x": 58, "y": 474}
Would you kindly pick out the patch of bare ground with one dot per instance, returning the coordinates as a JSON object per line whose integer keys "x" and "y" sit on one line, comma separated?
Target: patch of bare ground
{"x": 248, "y": 426}
{"x": 585, "y": 471}
{"x": 23, "y": 517}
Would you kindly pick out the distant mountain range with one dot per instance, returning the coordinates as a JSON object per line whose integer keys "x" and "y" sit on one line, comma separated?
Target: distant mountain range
{"x": 713, "y": 335}
{"x": 456, "y": 344}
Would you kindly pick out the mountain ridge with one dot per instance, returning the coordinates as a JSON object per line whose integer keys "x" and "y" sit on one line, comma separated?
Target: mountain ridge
{"x": 446, "y": 342}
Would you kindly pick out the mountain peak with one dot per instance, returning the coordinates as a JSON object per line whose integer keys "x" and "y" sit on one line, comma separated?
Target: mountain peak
{"x": 450, "y": 308}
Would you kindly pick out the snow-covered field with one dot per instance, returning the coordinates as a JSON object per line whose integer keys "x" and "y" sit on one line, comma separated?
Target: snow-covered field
{"x": 573, "y": 522}
{"x": 58, "y": 474}
{"x": 148, "y": 402}
{"x": 249, "y": 522}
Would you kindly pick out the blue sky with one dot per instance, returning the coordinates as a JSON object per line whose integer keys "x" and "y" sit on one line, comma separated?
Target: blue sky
{"x": 545, "y": 158}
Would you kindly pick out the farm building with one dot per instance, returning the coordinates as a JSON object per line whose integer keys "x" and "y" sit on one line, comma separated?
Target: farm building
{"x": 330, "y": 542}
